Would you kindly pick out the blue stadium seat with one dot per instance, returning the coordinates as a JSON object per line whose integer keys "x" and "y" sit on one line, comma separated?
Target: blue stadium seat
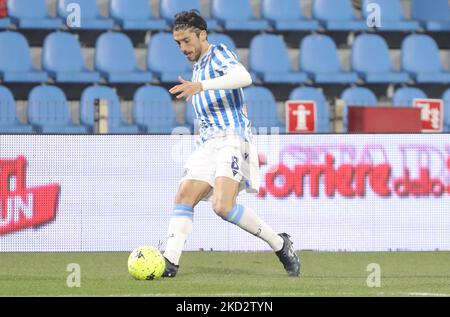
{"x": 28, "y": 14}
{"x": 135, "y": 16}
{"x": 15, "y": 60}
{"x": 446, "y": 98}
{"x": 356, "y": 96}
{"x": 420, "y": 58}
{"x": 392, "y": 16}
{"x": 116, "y": 124}
{"x": 165, "y": 59}
{"x": 5, "y": 23}
{"x": 219, "y": 38}
{"x": 168, "y": 9}
{"x": 116, "y": 61}
{"x": 153, "y": 110}
{"x": 189, "y": 116}
{"x": 370, "y": 59}
{"x": 286, "y": 15}
{"x": 359, "y": 96}
{"x": 9, "y": 123}
{"x": 337, "y": 15}
{"x": 433, "y": 15}
{"x": 319, "y": 58}
{"x": 48, "y": 111}
{"x": 62, "y": 59}
{"x": 272, "y": 65}
{"x": 403, "y": 97}
{"x": 236, "y": 15}
{"x": 262, "y": 108}
{"x": 91, "y": 19}
{"x": 322, "y": 106}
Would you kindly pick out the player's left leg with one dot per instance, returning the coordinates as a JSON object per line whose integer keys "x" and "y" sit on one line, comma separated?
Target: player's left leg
{"x": 224, "y": 204}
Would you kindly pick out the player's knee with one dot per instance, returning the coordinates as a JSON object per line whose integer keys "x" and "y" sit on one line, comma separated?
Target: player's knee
{"x": 183, "y": 197}
{"x": 221, "y": 207}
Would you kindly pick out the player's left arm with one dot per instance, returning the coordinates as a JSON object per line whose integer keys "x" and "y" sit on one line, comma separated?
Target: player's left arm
{"x": 234, "y": 76}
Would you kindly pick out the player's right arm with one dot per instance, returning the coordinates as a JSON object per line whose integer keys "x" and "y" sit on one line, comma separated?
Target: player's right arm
{"x": 233, "y": 73}
{"x": 236, "y": 77}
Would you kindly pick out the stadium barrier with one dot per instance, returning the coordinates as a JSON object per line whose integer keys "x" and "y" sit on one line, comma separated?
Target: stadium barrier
{"x": 356, "y": 192}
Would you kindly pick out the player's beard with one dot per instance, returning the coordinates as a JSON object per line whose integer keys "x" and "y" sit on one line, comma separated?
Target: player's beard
{"x": 195, "y": 56}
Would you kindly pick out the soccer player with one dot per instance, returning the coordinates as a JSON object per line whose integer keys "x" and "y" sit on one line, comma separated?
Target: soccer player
{"x": 226, "y": 162}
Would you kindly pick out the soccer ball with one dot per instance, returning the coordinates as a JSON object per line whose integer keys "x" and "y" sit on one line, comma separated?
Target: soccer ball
{"x": 146, "y": 263}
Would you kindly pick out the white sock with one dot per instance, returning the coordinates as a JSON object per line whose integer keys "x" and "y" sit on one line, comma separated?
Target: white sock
{"x": 248, "y": 220}
{"x": 180, "y": 227}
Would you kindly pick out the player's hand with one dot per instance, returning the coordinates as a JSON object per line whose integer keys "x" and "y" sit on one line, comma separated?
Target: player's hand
{"x": 186, "y": 89}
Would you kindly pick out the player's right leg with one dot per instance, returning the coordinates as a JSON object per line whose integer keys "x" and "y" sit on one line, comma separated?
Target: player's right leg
{"x": 189, "y": 194}
{"x": 224, "y": 204}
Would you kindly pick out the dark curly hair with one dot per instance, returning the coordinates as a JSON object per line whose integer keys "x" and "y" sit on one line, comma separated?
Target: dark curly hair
{"x": 190, "y": 19}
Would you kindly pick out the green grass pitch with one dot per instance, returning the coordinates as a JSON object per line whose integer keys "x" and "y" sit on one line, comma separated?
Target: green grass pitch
{"x": 240, "y": 274}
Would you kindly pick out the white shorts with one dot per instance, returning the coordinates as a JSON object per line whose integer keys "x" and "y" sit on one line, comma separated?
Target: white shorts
{"x": 229, "y": 156}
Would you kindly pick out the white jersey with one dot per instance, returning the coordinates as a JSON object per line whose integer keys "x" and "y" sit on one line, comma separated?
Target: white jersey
{"x": 219, "y": 111}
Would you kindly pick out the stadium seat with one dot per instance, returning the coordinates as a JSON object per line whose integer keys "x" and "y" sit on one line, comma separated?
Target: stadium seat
{"x": 116, "y": 123}
{"x": 446, "y": 99}
{"x": 319, "y": 58}
{"x": 262, "y": 108}
{"x": 322, "y": 106}
{"x": 168, "y": 9}
{"x": 62, "y": 59}
{"x": 189, "y": 116}
{"x": 272, "y": 65}
{"x": 28, "y": 14}
{"x": 165, "y": 60}
{"x": 286, "y": 15}
{"x": 8, "y": 116}
{"x": 219, "y": 38}
{"x": 15, "y": 60}
{"x": 356, "y": 96}
{"x": 116, "y": 61}
{"x": 403, "y": 97}
{"x": 5, "y": 23}
{"x": 392, "y": 16}
{"x": 135, "y": 16}
{"x": 48, "y": 111}
{"x": 337, "y": 15}
{"x": 236, "y": 15}
{"x": 433, "y": 15}
{"x": 370, "y": 59}
{"x": 420, "y": 58}
{"x": 91, "y": 19}
{"x": 153, "y": 110}
{"x": 359, "y": 96}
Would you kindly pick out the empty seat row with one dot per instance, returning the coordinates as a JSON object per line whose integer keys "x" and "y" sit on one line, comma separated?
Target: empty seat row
{"x": 153, "y": 110}
{"x": 48, "y": 111}
{"x": 403, "y": 97}
{"x": 115, "y": 60}
{"x": 261, "y": 104}
{"x": 280, "y": 15}
{"x": 370, "y": 60}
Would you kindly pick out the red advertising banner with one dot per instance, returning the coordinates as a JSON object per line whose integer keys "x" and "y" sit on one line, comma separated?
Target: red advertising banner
{"x": 22, "y": 207}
